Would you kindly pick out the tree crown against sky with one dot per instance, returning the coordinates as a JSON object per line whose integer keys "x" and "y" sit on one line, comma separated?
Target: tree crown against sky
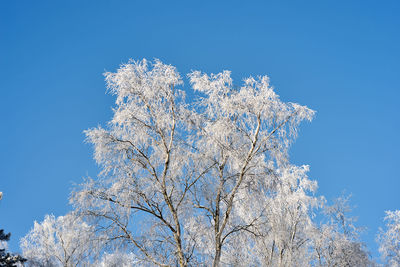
{"x": 207, "y": 182}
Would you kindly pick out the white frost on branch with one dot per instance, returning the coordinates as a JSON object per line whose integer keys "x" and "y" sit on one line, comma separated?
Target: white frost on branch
{"x": 389, "y": 239}
{"x": 63, "y": 241}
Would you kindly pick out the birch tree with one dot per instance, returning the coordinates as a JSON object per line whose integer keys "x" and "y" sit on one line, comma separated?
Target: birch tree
{"x": 183, "y": 183}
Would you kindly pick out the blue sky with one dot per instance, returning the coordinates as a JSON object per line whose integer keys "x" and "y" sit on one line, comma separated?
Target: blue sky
{"x": 340, "y": 58}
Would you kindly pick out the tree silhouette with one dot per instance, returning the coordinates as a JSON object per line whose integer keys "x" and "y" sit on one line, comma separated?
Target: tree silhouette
{"x": 7, "y": 259}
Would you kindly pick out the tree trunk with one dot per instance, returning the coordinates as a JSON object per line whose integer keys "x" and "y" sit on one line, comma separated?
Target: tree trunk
{"x": 217, "y": 257}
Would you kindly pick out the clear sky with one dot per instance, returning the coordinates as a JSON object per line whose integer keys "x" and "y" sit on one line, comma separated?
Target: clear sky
{"x": 340, "y": 58}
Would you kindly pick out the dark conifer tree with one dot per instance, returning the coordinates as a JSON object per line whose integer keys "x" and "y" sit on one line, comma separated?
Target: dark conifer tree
{"x": 7, "y": 259}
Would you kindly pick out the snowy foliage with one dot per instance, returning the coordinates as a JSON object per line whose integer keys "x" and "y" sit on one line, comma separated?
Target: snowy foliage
{"x": 336, "y": 242}
{"x": 117, "y": 259}
{"x": 206, "y": 183}
{"x": 63, "y": 241}
{"x": 389, "y": 239}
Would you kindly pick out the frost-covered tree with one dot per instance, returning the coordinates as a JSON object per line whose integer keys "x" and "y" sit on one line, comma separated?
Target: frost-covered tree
{"x": 389, "y": 239}
{"x": 186, "y": 184}
{"x": 336, "y": 242}
{"x": 64, "y": 241}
